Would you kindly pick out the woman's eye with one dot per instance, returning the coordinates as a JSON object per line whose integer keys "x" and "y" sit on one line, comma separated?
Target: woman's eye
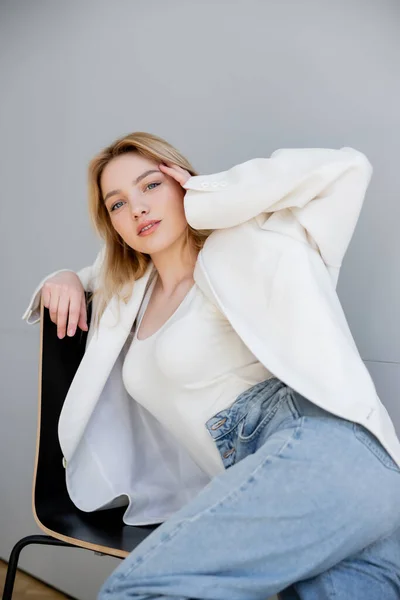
{"x": 114, "y": 205}
{"x": 156, "y": 184}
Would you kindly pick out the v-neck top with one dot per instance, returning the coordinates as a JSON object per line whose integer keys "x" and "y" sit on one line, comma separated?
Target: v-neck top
{"x": 192, "y": 367}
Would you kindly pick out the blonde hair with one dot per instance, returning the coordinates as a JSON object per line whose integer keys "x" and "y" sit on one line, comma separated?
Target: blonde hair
{"x": 121, "y": 264}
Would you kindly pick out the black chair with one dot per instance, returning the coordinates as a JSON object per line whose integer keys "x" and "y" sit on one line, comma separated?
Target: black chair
{"x": 103, "y": 532}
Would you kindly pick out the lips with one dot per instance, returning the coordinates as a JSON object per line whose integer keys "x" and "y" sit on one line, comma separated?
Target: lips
{"x": 147, "y": 226}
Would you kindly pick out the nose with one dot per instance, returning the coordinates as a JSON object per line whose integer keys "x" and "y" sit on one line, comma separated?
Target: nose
{"x": 138, "y": 208}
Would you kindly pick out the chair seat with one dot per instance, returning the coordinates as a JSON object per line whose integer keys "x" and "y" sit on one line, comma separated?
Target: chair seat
{"x": 104, "y": 528}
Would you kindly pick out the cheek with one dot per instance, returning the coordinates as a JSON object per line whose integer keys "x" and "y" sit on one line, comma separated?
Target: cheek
{"x": 119, "y": 223}
{"x": 178, "y": 219}
{"x": 176, "y": 209}
{"x": 124, "y": 226}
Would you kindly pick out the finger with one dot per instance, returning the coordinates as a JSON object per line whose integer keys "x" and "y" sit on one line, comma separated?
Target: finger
{"x": 74, "y": 312}
{"x": 82, "y": 323}
{"x": 62, "y": 312}
{"x": 46, "y": 295}
{"x": 171, "y": 165}
{"x": 177, "y": 173}
{"x": 165, "y": 169}
{"x": 170, "y": 171}
{"x": 54, "y": 294}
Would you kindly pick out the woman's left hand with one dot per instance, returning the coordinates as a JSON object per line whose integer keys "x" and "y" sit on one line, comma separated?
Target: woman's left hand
{"x": 173, "y": 170}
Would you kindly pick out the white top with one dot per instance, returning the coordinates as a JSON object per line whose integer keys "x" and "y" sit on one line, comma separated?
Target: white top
{"x": 194, "y": 366}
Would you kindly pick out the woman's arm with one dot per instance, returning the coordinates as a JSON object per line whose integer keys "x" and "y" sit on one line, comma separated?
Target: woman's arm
{"x": 87, "y": 275}
{"x": 323, "y": 188}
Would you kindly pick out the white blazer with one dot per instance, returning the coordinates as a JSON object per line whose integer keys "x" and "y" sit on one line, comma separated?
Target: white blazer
{"x": 282, "y": 227}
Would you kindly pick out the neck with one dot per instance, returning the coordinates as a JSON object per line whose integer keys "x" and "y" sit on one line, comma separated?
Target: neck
{"x": 175, "y": 265}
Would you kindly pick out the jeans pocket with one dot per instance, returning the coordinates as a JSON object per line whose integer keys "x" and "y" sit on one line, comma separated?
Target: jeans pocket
{"x": 367, "y": 438}
{"x": 266, "y": 412}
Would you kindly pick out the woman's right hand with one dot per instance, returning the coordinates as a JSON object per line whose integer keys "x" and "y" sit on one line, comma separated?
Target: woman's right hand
{"x": 64, "y": 296}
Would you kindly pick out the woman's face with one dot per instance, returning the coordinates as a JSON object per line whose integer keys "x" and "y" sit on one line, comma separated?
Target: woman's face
{"x": 133, "y": 196}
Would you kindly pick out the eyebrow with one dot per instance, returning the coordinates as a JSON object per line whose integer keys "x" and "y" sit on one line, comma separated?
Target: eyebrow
{"x": 135, "y": 182}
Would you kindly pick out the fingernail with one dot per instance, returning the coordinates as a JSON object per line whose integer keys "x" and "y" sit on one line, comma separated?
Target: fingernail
{"x": 70, "y": 332}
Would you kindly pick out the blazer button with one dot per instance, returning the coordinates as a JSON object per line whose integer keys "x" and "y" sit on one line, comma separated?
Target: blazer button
{"x": 64, "y": 462}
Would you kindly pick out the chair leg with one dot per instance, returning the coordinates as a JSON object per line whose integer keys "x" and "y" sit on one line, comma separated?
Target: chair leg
{"x": 14, "y": 557}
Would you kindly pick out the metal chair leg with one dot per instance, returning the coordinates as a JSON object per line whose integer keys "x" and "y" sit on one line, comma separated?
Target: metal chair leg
{"x": 14, "y": 558}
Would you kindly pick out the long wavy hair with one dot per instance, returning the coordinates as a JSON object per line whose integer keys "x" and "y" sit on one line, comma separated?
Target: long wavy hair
{"x": 121, "y": 265}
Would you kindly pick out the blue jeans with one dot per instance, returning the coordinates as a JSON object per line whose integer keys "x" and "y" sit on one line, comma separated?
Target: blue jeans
{"x": 308, "y": 507}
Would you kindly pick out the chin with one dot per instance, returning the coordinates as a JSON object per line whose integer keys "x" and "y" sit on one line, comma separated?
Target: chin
{"x": 156, "y": 246}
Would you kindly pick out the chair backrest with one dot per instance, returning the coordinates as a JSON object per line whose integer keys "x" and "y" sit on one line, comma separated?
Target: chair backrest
{"x": 54, "y": 512}
{"x": 59, "y": 361}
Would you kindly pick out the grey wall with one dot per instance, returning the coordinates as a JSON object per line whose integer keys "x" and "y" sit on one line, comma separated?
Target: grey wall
{"x": 225, "y": 82}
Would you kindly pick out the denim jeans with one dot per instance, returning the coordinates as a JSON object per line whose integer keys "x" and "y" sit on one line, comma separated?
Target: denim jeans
{"x": 308, "y": 507}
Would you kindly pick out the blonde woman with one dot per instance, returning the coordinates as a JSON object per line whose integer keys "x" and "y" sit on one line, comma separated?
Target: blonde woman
{"x": 221, "y": 392}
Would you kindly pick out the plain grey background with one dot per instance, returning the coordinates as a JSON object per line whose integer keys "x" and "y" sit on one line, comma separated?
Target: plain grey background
{"x": 224, "y": 82}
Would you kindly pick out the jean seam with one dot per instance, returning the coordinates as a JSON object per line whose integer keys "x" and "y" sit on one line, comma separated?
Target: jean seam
{"x": 141, "y": 559}
{"x": 266, "y": 419}
{"x": 359, "y": 432}
{"x": 232, "y": 428}
{"x": 249, "y": 477}
{"x": 293, "y": 405}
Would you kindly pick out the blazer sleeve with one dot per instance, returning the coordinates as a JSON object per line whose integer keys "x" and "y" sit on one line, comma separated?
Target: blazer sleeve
{"x": 89, "y": 279}
{"x": 323, "y": 188}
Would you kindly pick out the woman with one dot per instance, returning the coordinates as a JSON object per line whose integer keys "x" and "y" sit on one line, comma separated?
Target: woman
{"x": 221, "y": 391}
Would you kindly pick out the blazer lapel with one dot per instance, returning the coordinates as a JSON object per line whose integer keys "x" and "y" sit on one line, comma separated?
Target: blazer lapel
{"x": 101, "y": 354}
